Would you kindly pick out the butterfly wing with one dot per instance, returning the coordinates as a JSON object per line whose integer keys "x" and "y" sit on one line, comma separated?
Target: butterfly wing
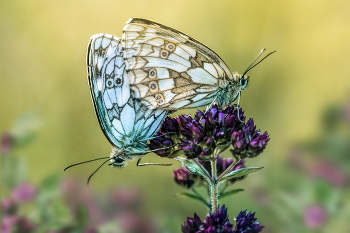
{"x": 124, "y": 120}
{"x": 168, "y": 69}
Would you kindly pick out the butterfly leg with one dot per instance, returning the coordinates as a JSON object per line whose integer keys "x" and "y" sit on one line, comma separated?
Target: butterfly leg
{"x": 237, "y": 107}
{"x": 145, "y": 164}
{"x": 209, "y": 106}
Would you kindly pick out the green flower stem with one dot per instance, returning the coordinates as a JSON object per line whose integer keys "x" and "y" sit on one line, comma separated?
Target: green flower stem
{"x": 228, "y": 169}
{"x": 214, "y": 186}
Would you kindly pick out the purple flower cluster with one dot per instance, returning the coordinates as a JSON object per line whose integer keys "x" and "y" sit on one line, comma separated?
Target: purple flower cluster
{"x": 246, "y": 223}
{"x": 168, "y": 137}
{"x": 218, "y": 223}
{"x": 207, "y": 131}
{"x": 199, "y": 136}
{"x": 248, "y": 142}
{"x": 185, "y": 178}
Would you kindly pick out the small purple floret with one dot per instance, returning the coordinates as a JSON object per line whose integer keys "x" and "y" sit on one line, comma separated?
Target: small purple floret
{"x": 183, "y": 177}
{"x": 217, "y": 222}
{"x": 214, "y": 223}
{"x": 248, "y": 142}
{"x": 192, "y": 225}
{"x": 246, "y": 223}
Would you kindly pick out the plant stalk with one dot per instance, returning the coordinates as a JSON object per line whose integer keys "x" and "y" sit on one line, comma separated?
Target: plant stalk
{"x": 214, "y": 194}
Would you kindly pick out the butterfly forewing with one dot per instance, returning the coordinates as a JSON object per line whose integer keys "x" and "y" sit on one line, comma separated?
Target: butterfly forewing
{"x": 168, "y": 69}
{"x": 125, "y": 121}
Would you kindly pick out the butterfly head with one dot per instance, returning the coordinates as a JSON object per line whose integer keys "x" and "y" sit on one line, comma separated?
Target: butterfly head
{"x": 118, "y": 158}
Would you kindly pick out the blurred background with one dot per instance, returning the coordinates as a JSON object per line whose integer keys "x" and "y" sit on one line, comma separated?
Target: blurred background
{"x": 300, "y": 95}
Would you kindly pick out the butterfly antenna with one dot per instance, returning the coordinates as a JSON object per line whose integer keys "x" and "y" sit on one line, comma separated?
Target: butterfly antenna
{"x": 84, "y": 162}
{"x": 252, "y": 65}
{"x": 96, "y": 170}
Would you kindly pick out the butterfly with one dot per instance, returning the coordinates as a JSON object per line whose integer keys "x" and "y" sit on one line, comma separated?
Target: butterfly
{"x": 170, "y": 70}
{"x": 126, "y": 122}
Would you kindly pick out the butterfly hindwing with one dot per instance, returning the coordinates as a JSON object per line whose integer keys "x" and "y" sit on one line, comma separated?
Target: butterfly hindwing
{"x": 124, "y": 119}
{"x": 168, "y": 69}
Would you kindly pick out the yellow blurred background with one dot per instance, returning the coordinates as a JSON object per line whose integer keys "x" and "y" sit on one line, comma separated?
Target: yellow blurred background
{"x": 43, "y": 70}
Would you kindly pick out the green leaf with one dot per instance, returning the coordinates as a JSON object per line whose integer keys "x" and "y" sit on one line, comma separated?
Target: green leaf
{"x": 190, "y": 195}
{"x": 13, "y": 171}
{"x": 193, "y": 167}
{"x": 240, "y": 172}
{"x": 231, "y": 192}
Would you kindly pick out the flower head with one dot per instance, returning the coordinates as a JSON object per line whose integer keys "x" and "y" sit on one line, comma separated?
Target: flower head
{"x": 165, "y": 142}
{"x": 7, "y": 142}
{"x": 199, "y": 135}
{"x": 214, "y": 223}
{"x": 183, "y": 177}
{"x": 217, "y": 222}
{"x": 246, "y": 223}
{"x": 192, "y": 225}
{"x": 315, "y": 216}
{"x": 24, "y": 192}
{"x": 248, "y": 142}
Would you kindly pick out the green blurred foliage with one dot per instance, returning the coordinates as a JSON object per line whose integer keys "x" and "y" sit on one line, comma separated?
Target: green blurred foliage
{"x": 42, "y": 63}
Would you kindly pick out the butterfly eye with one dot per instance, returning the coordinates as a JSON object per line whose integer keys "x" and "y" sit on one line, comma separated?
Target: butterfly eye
{"x": 164, "y": 53}
{"x": 170, "y": 47}
{"x": 109, "y": 83}
{"x": 243, "y": 82}
{"x": 153, "y": 86}
{"x": 117, "y": 162}
{"x": 152, "y": 73}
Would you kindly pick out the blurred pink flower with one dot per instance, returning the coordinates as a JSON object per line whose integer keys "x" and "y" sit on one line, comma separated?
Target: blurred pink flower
{"x": 320, "y": 168}
{"x": 16, "y": 224}
{"x": 131, "y": 223}
{"x": 330, "y": 172}
{"x": 77, "y": 192}
{"x": 90, "y": 230}
{"x": 24, "y": 192}
{"x": 125, "y": 198}
{"x": 8, "y": 206}
{"x": 315, "y": 216}
{"x": 7, "y": 222}
{"x": 7, "y": 141}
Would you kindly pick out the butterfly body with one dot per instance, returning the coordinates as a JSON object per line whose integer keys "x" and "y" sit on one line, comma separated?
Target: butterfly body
{"x": 228, "y": 92}
{"x": 126, "y": 122}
